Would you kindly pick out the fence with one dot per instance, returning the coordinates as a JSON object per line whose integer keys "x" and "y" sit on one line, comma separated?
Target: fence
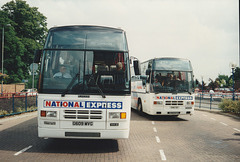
{"x": 211, "y": 101}
{"x": 16, "y": 103}
{"x": 12, "y": 88}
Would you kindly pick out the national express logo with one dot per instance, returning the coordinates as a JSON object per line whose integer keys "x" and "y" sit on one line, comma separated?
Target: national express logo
{"x": 82, "y": 104}
{"x": 175, "y": 97}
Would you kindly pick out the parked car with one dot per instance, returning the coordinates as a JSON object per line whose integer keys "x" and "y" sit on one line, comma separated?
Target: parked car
{"x": 29, "y": 92}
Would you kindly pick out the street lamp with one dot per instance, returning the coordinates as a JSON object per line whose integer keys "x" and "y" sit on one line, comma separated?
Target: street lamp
{"x": 201, "y": 95}
{"x": 3, "y": 53}
{"x": 233, "y": 66}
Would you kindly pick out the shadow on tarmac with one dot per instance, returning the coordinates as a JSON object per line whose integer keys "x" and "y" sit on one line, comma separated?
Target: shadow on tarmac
{"x": 77, "y": 146}
{"x": 139, "y": 116}
{"x": 25, "y": 134}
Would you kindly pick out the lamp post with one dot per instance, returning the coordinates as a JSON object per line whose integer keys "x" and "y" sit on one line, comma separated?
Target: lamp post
{"x": 3, "y": 53}
{"x": 201, "y": 95}
{"x": 233, "y": 66}
{"x": 202, "y": 86}
{"x": 233, "y": 95}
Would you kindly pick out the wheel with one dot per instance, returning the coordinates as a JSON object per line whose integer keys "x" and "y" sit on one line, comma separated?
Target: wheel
{"x": 139, "y": 108}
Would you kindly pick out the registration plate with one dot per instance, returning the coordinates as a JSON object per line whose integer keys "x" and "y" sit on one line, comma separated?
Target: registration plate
{"x": 81, "y": 123}
{"x": 174, "y": 107}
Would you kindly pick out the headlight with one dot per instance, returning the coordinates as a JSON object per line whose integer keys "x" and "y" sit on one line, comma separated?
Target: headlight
{"x": 48, "y": 113}
{"x": 117, "y": 115}
{"x": 190, "y": 103}
{"x": 157, "y": 102}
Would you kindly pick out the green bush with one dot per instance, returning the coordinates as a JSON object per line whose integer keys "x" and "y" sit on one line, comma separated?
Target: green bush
{"x": 227, "y": 105}
{"x": 6, "y": 105}
{"x": 3, "y": 112}
{"x": 238, "y": 107}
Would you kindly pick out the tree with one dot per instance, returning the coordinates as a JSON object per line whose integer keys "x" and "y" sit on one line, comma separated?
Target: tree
{"x": 13, "y": 52}
{"x": 196, "y": 83}
{"x": 223, "y": 81}
{"x": 29, "y": 22}
{"x": 213, "y": 84}
{"x": 3, "y": 76}
{"x": 26, "y": 34}
{"x": 202, "y": 85}
{"x": 237, "y": 74}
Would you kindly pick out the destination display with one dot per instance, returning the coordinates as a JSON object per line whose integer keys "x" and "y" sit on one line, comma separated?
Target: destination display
{"x": 175, "y": 97}
{"x": 82, "y": 104}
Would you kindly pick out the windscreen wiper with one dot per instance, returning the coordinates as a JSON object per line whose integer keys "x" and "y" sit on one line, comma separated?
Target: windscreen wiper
{"x": 70, "y": 84}
{"x": 96, "y": 84}
{"x": 100, "y": 91}
{"x": 188, "y": 91}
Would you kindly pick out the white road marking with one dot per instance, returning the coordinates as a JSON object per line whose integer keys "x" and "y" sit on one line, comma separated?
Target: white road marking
{"x": 236, "y": 129}
{"x": 163, "y": 157}
{"x": 154, "y": 129}
{"x": 153, "y": 122}
{"x": 213, "y": 118}
{"x": 23, "y": 150}
{"x": 157, "y": 139}
{"x": 223, "y": 123}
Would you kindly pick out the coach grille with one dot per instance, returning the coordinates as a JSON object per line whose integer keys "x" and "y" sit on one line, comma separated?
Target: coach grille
{"x": 96, "y": 112}
{"x": 70, "y": 116}
{"x": 70, "y": 111}
{"x": 83, "y": 114}
{"x": 95, "y": 117}
{"x": 83, "y": 111}
{"x": 174, "y": 102}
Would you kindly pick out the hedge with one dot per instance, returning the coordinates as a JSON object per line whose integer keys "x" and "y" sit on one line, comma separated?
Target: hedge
{"x": 228, "y": 105}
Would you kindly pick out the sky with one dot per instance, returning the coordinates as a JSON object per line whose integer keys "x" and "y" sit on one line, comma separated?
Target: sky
{"x": 204, "y": 31}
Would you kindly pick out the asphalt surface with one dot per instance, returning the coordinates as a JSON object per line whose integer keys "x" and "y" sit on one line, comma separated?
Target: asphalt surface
{"x": 204, "y": 136}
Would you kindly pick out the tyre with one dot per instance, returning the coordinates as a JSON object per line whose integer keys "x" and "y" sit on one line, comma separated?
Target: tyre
{"x": 139, "y": 108}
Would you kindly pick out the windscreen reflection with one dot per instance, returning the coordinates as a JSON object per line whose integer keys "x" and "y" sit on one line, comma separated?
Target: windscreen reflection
{"x": 85, "y": 72}
{"x": 171, "y": 82}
